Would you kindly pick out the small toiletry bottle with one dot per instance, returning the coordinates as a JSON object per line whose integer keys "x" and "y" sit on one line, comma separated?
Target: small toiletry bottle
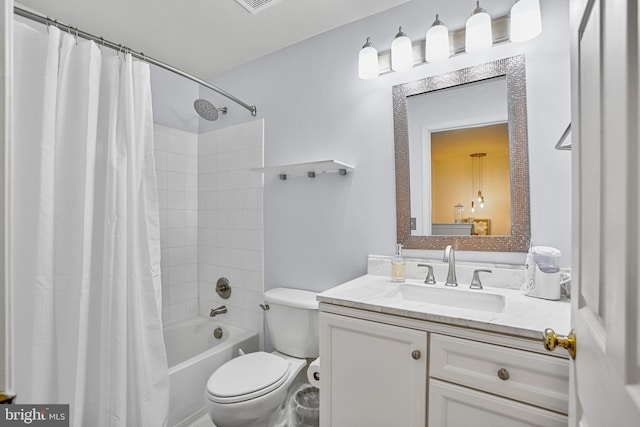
{"x": 397, "y": 265}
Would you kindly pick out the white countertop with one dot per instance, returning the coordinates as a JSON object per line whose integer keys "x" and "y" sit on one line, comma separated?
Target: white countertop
{"x": 522, "y": 315}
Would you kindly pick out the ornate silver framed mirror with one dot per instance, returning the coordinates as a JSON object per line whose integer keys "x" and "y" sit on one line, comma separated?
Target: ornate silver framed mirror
{"x": 462, "y": 164}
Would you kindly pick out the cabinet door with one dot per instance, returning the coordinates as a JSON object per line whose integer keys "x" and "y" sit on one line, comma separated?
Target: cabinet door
{"x": 371, "y": 374}
{"x": 455, "y": 406}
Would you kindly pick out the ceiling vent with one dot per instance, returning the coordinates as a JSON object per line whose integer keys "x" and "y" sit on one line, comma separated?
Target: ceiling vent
{"x": 255, "y": 6}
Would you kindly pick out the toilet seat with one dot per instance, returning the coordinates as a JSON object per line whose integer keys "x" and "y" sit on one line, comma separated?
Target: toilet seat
{"x": 247, "y": 377}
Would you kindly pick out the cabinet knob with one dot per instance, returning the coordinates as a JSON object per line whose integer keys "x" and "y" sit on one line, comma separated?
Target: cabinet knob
{"x": 551, "y": 341}
{"x": 416, "y": 354}
{"x": 503, "y": 374}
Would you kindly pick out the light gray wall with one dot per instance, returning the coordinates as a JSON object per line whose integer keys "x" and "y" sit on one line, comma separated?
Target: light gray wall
{"x": 172, "y": 99}
{"x": 318, "y": 232}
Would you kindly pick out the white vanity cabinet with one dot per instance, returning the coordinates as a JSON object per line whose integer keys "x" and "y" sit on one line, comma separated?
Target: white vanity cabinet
{"x": 480, "y": 384}
{"x": 371, "y": 375}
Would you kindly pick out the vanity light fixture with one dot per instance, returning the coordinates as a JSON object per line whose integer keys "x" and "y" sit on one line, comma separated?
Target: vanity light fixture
{"x": 437, "y": 42}
{"x": 368, "y": 61}
{"x": 401, "y": 52}
{"x": 526, "y": 21}
{"x": 478, "y": 36}
{"x": 522, "y": 24}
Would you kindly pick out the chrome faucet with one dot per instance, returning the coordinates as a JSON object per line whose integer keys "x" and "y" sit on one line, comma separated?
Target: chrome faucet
{"x": 430, "y": 279}
{"x": 475, "y": 282}
{"x": 220, "y": 310}
{"x": 449, "y": 256}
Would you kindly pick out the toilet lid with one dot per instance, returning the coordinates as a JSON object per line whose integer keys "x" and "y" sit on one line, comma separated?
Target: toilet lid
{"x": 247, "y": 377}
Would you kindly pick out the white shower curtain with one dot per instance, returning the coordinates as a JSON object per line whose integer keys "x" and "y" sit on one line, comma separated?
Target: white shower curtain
{"x": 85, "y": 242}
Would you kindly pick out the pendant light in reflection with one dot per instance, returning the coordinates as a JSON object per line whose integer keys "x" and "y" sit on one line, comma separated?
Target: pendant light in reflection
{"x": 477, "y": 170}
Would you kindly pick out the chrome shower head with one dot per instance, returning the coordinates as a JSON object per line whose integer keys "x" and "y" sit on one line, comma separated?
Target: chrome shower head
{"x": 207, "y": 110}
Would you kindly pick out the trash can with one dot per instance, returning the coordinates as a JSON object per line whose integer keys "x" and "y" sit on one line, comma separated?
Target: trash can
{"x": 304, "y": 407}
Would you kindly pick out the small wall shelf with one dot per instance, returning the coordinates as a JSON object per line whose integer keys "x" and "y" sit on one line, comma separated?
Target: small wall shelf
{"x": 310, "y": 169}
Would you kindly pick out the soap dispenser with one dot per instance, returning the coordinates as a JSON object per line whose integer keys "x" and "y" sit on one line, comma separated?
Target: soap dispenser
{"x": 397, "y": 265}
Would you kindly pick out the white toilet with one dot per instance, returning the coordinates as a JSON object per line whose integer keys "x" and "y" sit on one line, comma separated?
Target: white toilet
{"x": 249, "y": 390}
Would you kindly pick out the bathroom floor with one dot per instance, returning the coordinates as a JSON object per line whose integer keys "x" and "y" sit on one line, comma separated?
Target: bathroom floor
{"x": 203, "y": 421}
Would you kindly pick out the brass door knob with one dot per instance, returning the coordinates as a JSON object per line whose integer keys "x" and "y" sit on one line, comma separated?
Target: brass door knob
{"x": 551, "y": 341}
{"x": 416, "y": 354}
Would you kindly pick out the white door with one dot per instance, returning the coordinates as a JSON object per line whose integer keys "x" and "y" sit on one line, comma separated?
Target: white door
{"x": 605, "y": 389}
{"x": 6, "y": 36}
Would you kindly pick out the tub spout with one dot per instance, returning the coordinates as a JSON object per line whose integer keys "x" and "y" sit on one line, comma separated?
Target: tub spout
{"x": 220, "y": 310}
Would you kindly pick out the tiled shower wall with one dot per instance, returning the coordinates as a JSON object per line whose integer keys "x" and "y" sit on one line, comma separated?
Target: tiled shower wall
{"x": 230, "y": 225}
{"x": 176, "y": 155}
{"x": 211, "y": 222}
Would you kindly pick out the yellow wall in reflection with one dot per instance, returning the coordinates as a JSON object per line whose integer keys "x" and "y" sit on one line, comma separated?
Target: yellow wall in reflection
{"x": 451, "y": 175}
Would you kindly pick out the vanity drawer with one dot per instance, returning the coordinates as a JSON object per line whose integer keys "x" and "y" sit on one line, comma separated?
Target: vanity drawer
{"x": 527, "y": 377}
{"x": 453, "y": 406}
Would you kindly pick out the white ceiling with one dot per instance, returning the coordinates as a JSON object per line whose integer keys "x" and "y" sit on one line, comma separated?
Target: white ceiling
{"x": 206, "y": 37}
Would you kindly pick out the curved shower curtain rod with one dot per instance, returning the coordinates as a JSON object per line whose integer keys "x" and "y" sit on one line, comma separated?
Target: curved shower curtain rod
{"x": 139, "y": 55}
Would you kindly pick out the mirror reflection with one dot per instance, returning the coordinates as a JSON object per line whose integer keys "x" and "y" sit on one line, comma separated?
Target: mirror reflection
{"x": 459, "y": 153}
{"x": 462, "y": 168}
{"x": 470, "y": 191}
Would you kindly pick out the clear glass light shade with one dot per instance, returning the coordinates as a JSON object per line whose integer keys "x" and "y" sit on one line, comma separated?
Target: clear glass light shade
{"x": 526, "y": 22}
{"x": 368, "y": 63}
{"x": 401, "y": 53}
{"x": 478, "y": 35}
{"x": 437, "y": 44}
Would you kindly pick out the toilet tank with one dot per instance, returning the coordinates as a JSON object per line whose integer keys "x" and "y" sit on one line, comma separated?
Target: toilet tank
{"x": 292, "y": 321}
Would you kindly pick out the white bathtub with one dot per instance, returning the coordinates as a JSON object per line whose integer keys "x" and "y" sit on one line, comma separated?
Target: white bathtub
{"x": 193, "y": 354}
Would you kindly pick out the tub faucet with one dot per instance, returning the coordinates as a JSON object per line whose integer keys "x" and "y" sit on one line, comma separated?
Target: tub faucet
{"x": 220, "y": 310}
{"x": 449, "y": 256}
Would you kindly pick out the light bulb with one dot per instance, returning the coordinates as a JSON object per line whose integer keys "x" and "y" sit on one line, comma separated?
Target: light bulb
{"x": 480, "y": 196}
{"x": 401, "y": 52}
{"x": 526, "y": 22}
{"x": 478, "y": 34}
{"x": 368, "y": 61}
{"x": 473, "y": 206}
{"x": 437, "y": 42}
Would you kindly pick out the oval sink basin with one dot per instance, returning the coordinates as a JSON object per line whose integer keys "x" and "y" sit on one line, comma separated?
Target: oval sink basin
{"x": 470, "y": 300}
